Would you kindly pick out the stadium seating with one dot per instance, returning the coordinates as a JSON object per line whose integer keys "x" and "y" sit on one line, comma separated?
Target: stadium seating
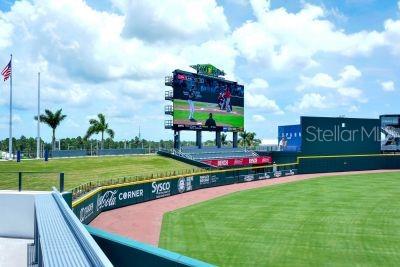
{"x": 204, "y": 153}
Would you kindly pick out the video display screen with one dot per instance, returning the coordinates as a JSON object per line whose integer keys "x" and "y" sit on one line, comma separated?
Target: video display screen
{"x": 207, "y": 103}
{"x": 289, "y": 138}
{"x": 390, "y": 129}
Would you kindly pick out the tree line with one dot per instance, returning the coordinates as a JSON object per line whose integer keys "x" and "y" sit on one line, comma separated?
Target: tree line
{"x": 100, "y": 126}
{"x": 28, "y": 144}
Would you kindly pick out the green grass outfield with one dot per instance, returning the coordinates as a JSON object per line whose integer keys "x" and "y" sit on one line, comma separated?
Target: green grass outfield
{"x": 332, "y": 221}
{"x": 221, "y": 119}
{"x": 81, "y": 170}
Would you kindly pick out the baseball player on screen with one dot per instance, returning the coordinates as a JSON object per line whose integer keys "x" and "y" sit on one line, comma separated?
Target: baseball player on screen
{"x": 191, "y": 97}
{"x": 227, "y": 96}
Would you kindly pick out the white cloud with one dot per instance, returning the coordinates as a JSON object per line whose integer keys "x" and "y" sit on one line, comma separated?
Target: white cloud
{"x": 348, "y": 74}
{"x": 183, "y": 20}
{"x": 220, "y": 53}
{"x": 262, "y": 102}
{"x": 256, "y": 97}
{"x": 5, "y": 32}
{"x": 257, "y": 85}
{"x": 318, "y": 80}
{"x": 342, "y": 85}
{"x": 74, "y": 96}
{"x": 282, "y": 39}
{"x": 114, "y": 61}
{"x": 310, "y": 101}
{"x": 88, "y": 44}
{"x": 353, "y": 108}
{"x": 350, "y": 92}
{"x": 258, "y": 118}
{"x": 5, "y": 120}
{"x": 387, "y": 86}
{"x": 88, "y": 62}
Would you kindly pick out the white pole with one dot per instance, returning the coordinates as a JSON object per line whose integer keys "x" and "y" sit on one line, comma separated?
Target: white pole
{"x": 10, "y": 132}
{"x": 38, "y": 121}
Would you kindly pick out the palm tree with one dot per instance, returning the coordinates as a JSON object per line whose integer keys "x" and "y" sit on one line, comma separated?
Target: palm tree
{"x": 243, "y": 138}
{"x": 99, "y": 126}
{"x": 53, "y": 120}
{"x": 223, "y": 139}
{"x": 246, "y": 139}
{"x": 251, "y": 137}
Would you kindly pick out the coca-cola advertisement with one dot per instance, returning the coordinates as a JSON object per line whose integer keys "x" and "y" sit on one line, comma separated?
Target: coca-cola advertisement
{"x": 238, "y": 161}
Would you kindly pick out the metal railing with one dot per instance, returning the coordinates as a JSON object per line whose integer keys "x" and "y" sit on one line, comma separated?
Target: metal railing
{"x": 169, "y": 95}
{"x": 267, "y": 148}
{"x": 31, "y": 180}
{"x": 92, "y": 185}
{"x": 168, "y": 80}
{"x": 86, "y": 188}
{"x": 168, "y": 124}
{"x": 60, "y": 239}
{"x": 168, "y": 109}
{"x": 179, "y": 153}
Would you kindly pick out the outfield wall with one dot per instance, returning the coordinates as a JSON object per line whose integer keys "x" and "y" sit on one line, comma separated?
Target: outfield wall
{"x": 115, "y": 196}
{"x": 123, "y": 251}
{"x": 343, "y": 163}
{"x": 339, "y": 136}
{"x": 281, "y": 157}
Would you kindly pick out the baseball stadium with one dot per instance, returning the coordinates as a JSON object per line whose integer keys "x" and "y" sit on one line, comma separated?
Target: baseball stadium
{"x": 326, "y": 195}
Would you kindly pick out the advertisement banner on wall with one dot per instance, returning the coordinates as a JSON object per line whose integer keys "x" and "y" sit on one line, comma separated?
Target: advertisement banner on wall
{"x": 289, "y": 138}
{"x": 239, "y": 161}
{"x": 115, "y": 197}
{"x": 390, "y": 130}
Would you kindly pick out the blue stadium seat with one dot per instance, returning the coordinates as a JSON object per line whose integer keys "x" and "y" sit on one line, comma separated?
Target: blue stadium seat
{"x": 217, "y": 153}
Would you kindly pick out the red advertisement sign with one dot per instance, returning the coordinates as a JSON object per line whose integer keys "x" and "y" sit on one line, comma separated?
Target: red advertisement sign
{"x": 238, "y": 161}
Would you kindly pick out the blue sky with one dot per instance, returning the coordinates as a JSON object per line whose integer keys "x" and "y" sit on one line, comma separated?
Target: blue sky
{"x": 315, "y": 57}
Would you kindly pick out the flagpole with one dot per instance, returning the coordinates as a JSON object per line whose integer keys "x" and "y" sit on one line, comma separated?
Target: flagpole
{"x": 38, "y": 121}
{"x": 10, "y": 132}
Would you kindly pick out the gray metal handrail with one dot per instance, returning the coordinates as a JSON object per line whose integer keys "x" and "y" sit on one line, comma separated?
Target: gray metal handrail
{"x": 60, "y": 239}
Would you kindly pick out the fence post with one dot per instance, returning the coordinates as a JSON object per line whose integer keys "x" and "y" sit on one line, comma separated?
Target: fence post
{"x": 61, "y": 182}
{"x": 19, "y": 181}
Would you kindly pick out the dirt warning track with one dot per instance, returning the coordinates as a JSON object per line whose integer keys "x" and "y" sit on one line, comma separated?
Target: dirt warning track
{"x": 143, "y": 221}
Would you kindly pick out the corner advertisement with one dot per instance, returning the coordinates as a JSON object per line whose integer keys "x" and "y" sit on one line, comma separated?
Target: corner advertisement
{"x": 116, "y": 197}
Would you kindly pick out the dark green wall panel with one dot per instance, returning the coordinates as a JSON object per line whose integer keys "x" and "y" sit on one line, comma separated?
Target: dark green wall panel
{"x": 339, "y": 136}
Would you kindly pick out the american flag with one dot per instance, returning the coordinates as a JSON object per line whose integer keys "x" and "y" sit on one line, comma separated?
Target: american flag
{"x": 7, "y": 71}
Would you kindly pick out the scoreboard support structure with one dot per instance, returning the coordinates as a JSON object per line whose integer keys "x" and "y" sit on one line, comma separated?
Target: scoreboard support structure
{"x": 177, "y": 139}
{"x": 198, "y": 139}
{"x": 235, "y": 140}
{"x": 206, "y": 71}
{"x": 218, "y": 139}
